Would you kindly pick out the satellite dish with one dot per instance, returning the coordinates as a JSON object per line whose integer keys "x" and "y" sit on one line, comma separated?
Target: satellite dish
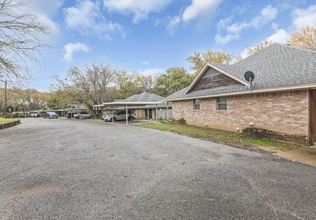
{"x": 249, "y": 76}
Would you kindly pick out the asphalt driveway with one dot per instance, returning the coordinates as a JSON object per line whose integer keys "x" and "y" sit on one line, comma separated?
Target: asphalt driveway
{"x": 73, "y": 169}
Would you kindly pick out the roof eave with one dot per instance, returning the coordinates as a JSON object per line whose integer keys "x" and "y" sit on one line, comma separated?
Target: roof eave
{"x": 274, "y": 89}
{"x": 130, "y": 103}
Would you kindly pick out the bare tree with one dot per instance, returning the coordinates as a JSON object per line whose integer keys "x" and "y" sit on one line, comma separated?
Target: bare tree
{"x": 22, "y": 38}
{"x": 88, "y": 85}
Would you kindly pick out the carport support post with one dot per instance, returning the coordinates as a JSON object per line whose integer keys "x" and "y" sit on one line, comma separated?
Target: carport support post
{"x": 167, "y": 112}
{"x": 126, "y": 109}
{"x": 156, "y": 113}
{"x": 148, "y": 113}
{"x": 137, "y": 113}
{"x": 112, "y": 114}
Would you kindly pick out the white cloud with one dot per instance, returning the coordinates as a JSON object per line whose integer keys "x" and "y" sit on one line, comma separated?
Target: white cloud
{"x": 46, "y": 7}
{"x": 49, "y": 23}
{"x": 173, "y": 24}
{"x": 274, "y": 26}
{"x": 203, "y": 11}
{"x": 267, "y": 14}
{"x": 200, "y": 8}
{"x": 44, "y": 10}
{"x": 245, "y": 53}
{"x": 71, "y": 48}
{"x": 304, "y": 17}
{"x": 145, "y": 63}
{"x": 140, "y": 8}
{"x": 152, "y": 72}
{"x": 281, "y": 36}
{"x": 87, "y": 18}
{"x": 224, "y": 40}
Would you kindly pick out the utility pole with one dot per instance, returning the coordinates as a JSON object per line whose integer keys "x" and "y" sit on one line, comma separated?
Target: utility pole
{"x": 5, "y": 99}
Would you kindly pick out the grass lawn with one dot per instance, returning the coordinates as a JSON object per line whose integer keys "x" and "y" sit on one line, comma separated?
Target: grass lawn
{"x": 4, "y": 121}
{"x": 94, "y": 120}
{"x": 222, "y": 136}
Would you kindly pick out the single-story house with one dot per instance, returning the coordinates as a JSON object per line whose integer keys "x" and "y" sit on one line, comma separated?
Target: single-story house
{"x": 147, "y": 111}
{"x": 280, "y": 103}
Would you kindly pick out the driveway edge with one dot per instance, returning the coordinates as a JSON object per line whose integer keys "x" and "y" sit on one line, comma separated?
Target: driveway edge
{"x": 10, "y": 124}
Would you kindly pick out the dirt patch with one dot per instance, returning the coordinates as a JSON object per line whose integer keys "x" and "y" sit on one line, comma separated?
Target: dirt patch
{"x": 272, "y": 135}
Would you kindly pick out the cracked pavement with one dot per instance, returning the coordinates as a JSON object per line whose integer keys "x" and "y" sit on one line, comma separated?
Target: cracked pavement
{"x": 73, "y": 169}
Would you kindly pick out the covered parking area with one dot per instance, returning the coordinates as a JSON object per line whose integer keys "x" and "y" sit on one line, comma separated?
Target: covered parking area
{"x": 133, "y": 103}
{"x": 127, "y": 106}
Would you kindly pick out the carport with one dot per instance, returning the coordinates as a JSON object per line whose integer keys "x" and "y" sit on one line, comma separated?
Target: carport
{"x": 133, "y": 102}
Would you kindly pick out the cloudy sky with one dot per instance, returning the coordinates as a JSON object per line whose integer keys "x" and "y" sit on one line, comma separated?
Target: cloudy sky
{"x": 150, "y": 36}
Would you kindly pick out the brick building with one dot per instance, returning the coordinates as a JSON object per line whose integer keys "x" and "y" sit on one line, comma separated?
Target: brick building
{"x": 279, "y": 104}
{"x": 142, "y": 111}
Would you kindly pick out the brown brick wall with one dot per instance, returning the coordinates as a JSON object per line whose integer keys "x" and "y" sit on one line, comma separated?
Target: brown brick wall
{"x": 285, "y": 112}
{"x": 141, "y": 114}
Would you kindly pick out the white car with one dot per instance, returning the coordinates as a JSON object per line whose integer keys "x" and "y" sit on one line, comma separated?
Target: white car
{"x": 121, "y": 115}
{"x": 82, "y": 115}
{"x": 35, "y": 115}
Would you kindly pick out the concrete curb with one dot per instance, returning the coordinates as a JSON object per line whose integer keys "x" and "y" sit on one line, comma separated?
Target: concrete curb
{"x": 10, "y": 124}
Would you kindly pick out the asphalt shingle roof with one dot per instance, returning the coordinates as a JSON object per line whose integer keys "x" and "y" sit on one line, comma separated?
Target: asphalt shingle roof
{"x": 143, "y": 97}
{"x": 280, "y": 65}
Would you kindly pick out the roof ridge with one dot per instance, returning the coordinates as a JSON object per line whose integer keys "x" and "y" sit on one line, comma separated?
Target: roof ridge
{"x": 255, "y": 53}
{"x": 298, "y": 48}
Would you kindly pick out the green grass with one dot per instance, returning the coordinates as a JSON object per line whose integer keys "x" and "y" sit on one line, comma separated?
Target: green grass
{"x": 4, "y": 121}
{"x": 94, "y": 120}
{"x": 222, "y": 136}
{"x": 152, "y": 119}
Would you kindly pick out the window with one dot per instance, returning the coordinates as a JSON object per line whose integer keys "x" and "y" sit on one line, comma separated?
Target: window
{"x": 197, "y": 104}
{"x": 222, "y": 103}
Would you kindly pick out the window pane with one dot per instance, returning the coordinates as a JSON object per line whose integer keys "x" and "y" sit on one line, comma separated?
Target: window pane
{"x": 197, "y": 106}
{"x": 222, "y": 107}
{"x": 222, "y": 99}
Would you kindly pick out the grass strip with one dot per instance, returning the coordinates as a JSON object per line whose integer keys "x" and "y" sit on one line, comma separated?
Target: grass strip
{"x": 222, "y": 136}
{"x": 8, "y": 120}
{"x": 95, "y": 120}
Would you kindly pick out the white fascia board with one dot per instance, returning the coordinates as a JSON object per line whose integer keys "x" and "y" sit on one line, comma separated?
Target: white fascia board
{"x": 130, "y": 103}
{"x": 248, "y": 92}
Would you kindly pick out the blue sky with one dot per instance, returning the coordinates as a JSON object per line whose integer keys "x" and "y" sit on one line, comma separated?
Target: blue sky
{"x": 150, "y": 36}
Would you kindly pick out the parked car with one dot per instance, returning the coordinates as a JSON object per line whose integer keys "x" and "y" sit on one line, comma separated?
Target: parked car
{"x": 50, "y": 115}
{"x": 103, "y": 117}
{"x": 121, "y": 115}
{"x": 70, "y": 115}
{"x": 82, "y": 114}
{"x": 35, "y": 115}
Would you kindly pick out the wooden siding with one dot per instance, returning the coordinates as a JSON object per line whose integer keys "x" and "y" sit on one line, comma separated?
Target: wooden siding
{"x": 218, "y": 80}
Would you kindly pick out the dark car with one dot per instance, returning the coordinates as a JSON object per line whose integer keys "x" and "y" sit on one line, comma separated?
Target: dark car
{"x": 50, "y": 115}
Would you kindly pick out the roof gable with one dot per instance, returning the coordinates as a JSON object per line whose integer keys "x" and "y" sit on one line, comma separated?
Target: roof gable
{"x": 213, "y": 77}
